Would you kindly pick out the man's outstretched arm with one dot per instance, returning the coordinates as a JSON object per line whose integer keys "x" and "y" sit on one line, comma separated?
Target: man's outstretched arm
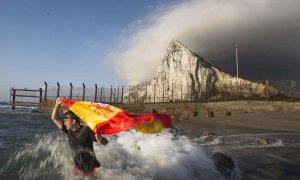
{"x": 55, "y": 112}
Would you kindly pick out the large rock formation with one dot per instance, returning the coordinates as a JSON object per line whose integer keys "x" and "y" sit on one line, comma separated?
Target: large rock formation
{"x": 183, "y": 75}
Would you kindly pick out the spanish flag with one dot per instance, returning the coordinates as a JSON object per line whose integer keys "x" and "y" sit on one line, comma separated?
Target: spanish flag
{"x": 107, "y": 119}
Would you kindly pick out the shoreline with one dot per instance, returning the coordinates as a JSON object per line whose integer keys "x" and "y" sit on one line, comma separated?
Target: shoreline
{"x": 254, "y": 122}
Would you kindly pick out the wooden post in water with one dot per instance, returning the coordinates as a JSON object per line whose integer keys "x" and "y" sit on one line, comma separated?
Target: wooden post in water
{"x": 14, "y": 99}
{"x": 28, "y": 103}
{"x": 83, "y": 93}
{"x": 46, "y": 89}
{"x": 71, "y": 90}
{"x": 41, "y": 95}
{"x": 96, "y": 89}
{"x": 58, "y": 89}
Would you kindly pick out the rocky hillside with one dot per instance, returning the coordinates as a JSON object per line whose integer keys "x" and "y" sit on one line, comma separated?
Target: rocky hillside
{"x": 184, "y": 75}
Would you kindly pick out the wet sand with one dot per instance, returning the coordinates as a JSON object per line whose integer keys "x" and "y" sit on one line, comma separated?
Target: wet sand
{"x": 254, "y": 161}
{"x": 264, "y": 122}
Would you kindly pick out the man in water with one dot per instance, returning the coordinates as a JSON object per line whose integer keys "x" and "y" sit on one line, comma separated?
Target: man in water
{"x": 80, "y": 139}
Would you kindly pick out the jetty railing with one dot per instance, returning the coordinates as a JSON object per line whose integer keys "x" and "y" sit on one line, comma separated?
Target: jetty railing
{"x": 26, "y": 97}
{"x": 112, "y": 94}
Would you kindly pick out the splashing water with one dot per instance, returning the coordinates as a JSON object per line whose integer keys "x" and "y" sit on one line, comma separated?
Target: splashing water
{"x": 130, "y": 155}
{"x": 42, "y": 158}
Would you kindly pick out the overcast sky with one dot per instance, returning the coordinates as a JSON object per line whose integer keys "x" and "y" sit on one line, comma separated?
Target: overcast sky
{"x": 120, "y": 42}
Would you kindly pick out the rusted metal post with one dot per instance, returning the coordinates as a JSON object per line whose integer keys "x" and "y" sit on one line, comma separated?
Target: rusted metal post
{"x": 114, "y": 95}
{"x": 101, "y": 91}
{"x": 137, "y": 94}
{"x": 146, "y": 98}
{"x": 46, "y": 89}
{"x": 14, "y": 99}
{"x": 122, "y": 94}
{"x": 293, "y": 89}
{"x": 96, "y": 89}
{"x": 58, "y": 89}
{"x": 71, "y": 90}
{"x": 129, "y": 94}
{"x": 83, "y": 91}
{"x": 118, "y": 95}
{"x": 251, "y": 90}
{"x": 154, "y": 93}
{"x": 110, "y": 94}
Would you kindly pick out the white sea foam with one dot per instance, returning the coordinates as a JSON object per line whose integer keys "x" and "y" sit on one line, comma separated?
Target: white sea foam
{"x": 243, "y": 141}
{"x": 39, "y": 159}
{"x": 4, "y": 106}
{"x": 203, "y": 140}
{"x": 138, "y": 156}
{"x": 277, "y": 143}
{"x": 7, "y": 105}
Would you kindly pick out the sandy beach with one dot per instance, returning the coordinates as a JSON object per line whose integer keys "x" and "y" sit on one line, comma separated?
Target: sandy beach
{"x": 237, "y": 135}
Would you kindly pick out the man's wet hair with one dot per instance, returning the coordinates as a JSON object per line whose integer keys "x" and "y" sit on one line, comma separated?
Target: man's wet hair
{"x": 72, "y": 115}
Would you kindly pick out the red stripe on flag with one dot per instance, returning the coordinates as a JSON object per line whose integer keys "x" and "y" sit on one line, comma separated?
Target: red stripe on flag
{"x": 68, "y": 102}
{"x": 123, "y": 121}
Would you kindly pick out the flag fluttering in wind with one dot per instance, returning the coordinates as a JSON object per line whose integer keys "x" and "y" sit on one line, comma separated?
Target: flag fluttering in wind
{"x": 107, "y": 119}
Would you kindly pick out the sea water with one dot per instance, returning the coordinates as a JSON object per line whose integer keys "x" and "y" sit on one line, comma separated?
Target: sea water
{"x": 32, "y": 147}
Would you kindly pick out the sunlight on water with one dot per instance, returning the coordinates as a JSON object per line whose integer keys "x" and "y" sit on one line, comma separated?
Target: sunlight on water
{"x": 130, "y": 155}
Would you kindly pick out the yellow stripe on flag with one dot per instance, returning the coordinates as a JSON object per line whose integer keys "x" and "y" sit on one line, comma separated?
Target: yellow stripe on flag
{"x": 100, "y": 112}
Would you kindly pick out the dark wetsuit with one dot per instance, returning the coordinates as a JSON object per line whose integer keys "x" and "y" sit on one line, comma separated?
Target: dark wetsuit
{"x": 81, "y": 142}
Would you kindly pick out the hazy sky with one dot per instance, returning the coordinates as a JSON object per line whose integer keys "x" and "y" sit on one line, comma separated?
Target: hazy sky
{"x": 122, "y": 41}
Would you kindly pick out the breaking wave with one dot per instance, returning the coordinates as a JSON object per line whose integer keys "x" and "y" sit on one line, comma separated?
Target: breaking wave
{"x": 129, "y": 155}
